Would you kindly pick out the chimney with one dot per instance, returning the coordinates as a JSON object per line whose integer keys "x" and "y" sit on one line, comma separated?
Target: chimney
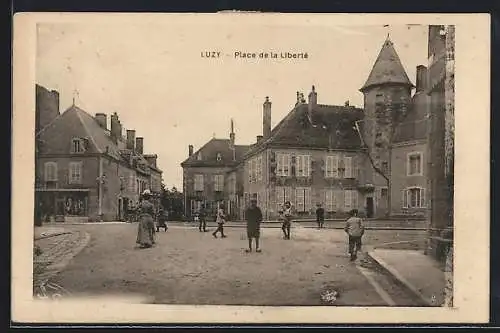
{"x": 313, "y": 101}
{"x": 421, "y": 78}
{"x": 55, "y": 94}
{"x": 232, "y": 135}
{"x": 151, "y": 159}
{"x": 139, "y": 145}
{"x": 115, "y": 127}
{"x": 191, "y": 148}
{"x": 102, "y": 120}
{"x": 266, "y": 118}
{"x": 131, "y": 139}
{"x": 259, "y": 138}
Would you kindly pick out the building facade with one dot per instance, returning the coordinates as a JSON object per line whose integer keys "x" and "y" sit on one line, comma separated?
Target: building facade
{"x": 372, "y": 158}
{"x": 441, "y": 92}
{"x": 85, "y": 171}
{"x": 210, "y": 176}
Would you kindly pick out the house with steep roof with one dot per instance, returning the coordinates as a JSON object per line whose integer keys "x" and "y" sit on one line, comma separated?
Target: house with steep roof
{"x": 343, "y": 157}
{"x": 86, "y": 171}
{"x": 209, "y": 175}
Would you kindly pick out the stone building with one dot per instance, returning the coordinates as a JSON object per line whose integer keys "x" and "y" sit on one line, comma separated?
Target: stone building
{"x": 344, "y": 157}
{"x": 209, "y": 176}
{"x": 87, "y": 171}
{"x": 441, "y": 91}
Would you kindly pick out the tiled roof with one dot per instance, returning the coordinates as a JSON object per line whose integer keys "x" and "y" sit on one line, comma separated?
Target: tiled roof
{"x": 387, "y": 68}
{"x": 75, "y": 122}
{"x": 331, "y": 127}
{"x": 209, "y": 154}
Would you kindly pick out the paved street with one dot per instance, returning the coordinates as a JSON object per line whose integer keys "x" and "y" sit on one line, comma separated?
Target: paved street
{"x": 189, "y": 267}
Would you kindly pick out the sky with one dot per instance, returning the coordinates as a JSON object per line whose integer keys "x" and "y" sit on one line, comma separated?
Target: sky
{"x": 152, "y": 74}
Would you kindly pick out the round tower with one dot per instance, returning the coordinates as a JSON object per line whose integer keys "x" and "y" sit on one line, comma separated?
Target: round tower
{"x": 387, "y": 93}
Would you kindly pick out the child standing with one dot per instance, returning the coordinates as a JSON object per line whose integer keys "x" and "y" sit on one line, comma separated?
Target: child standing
{"x": 287, "y": 220}
{"x": 355, "y": 229}
{"x": 320, "y": 216}
{"x": 221, "y": 219}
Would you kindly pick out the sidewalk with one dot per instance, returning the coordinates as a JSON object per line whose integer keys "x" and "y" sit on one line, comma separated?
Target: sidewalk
{"x": 58, "y": 246}
{"x": 418, "y": 272}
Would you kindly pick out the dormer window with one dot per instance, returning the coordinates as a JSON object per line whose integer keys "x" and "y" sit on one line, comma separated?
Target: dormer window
{"x": 219, "y": 157}
{"x": 77, "y": 145}
{"x": 199, "y": 157}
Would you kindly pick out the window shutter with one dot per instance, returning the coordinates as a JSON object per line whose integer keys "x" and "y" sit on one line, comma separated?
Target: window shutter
{"x": 348, "y": 167}
{"x": 422, "y": 197}
{"x": 308, "y": 201}
{"x": 335, "y": 166}
{"x": 347, "y": 199}
{"x": 405, "y": 198}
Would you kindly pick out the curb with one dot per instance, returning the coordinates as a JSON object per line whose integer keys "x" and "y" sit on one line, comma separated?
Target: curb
{"x": 400, "y": 279}
{"x": 302, "y": 226}
{"x": 55, "y": 268}
{"x": 52, "y": 235}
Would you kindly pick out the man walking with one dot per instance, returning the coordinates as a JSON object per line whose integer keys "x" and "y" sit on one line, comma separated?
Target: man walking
{"x": 355, "y": 229}
{"x": 320, "y": 216}
{"x": 253, "y": 216}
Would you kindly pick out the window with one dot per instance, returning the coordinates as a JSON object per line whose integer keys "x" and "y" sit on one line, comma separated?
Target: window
{"x": 75, "y": 173}
{"x": 283, "y": 168}
{"x": 77, "y": 145}
{"x": 332, "y": 199}
{"x": 385, "y": 167}
{"x": 219, "y": 183}
{"x": 414, "y": 197}
{"x": 303, "y": 199}
{"x": 415, "y": 165}
{"x": 199, "y": 157}
{"x": 198, "y": 183}
{"x": 219, "y": 157}
{"x": 384, "y": 192}
{"x": 350, "y": 199}
{"x": 283, "y": 195}
{"x": 259, "y": 168}
{"x": 348, "y": 167}
{"x": 50, "y": 171}
{"x": 303, "y": 166}
{"x": 332, "y": 166}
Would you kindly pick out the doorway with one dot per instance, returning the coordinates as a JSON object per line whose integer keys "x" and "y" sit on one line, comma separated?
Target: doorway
{"x": 369, "y": 207}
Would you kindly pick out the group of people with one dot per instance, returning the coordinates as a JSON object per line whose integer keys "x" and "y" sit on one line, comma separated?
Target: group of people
{"x": 146, "y": 231}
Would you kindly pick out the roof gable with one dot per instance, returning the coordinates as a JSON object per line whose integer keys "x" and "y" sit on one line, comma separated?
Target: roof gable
{"x": 59, "y": 134}
{"x": 387, "y": 68}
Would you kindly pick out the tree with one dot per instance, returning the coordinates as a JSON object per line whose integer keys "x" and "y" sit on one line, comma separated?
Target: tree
{"x": 172, "y": 201}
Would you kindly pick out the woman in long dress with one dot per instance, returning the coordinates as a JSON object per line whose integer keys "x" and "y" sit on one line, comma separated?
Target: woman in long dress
{"x": 146, "y": 229}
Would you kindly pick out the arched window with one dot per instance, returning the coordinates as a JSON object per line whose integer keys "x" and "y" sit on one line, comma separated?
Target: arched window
{"x": 219, "y": 157}
{"x": 50, "y": 171}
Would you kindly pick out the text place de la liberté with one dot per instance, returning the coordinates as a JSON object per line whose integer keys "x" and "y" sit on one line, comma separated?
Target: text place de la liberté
{"x": 255, "y": 55}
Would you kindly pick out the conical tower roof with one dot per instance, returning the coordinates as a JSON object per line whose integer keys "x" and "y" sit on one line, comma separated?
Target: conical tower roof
{"x": 387, "y": 68}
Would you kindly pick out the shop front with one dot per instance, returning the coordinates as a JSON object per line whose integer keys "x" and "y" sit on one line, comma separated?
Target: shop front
{"x": 62, "y": 204}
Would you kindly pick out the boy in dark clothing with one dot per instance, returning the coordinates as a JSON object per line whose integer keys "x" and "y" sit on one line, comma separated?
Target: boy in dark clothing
{"x": 202, "y": 220}
{"x": 355, "y": 229}
{"x": 320, "y": 216}
{"x": 253, "y": 216}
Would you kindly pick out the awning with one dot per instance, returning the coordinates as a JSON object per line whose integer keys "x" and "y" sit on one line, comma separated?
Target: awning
{"x": 62, "y": 190}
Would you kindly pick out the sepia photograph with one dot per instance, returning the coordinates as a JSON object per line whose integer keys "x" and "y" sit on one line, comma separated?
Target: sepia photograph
{"x": 243, "y": 160}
